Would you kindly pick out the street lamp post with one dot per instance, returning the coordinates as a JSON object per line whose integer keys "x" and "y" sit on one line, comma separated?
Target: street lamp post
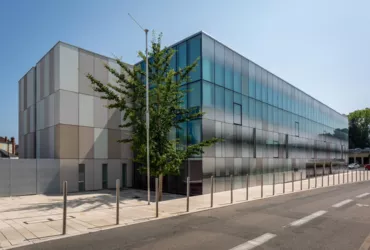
{"x": 147, "y": 105}
{"x": 147, "y": 112}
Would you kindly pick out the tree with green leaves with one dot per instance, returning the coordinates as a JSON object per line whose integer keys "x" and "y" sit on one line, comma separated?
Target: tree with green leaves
{"x": 166, "y": 110}
{"x": 359, "y": 128}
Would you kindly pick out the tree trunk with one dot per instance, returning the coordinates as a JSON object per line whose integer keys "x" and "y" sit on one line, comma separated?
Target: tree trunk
{"x": 160, "y": 187}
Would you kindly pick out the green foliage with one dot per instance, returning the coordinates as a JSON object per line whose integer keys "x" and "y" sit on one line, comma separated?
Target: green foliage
{"x": 359, "y": 128}
{"x": 166, "y": 109}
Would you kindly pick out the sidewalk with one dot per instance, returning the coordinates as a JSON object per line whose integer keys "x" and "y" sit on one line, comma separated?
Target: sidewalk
{"x": 31, "y": 219}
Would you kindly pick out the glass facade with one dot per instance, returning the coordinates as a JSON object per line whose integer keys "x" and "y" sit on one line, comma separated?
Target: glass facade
{"x": 266, "y": 123}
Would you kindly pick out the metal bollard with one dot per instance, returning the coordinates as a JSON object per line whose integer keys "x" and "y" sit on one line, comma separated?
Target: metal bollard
{"x": 187, "y": 193}
{"x": 231, "y": 189}
{"x": 347, "y": 175}
{"x": 247, "y": 187}
{"x": 65, "y": 189}
{"x": 367, "y": 173}
{"x": 284, "y": 183}
{"x": 293, "y": 181}
{"x": 334, "y": 179}
{"x": 309, "y": 182}
{"x": 328, "y": 179}
{"x": 315, "y": 180}
{"x": 117, "y": 200}
{"x": 212, "y": 190}
{"x": 261, "y": 185}
{"x": 351, "y": 176}
{"x": 356, "y": 174}
{"x": 273, "y": 183}
{"x": 343, "y": 176}
{"x": 301, "y": 181}
{"x": 156, "y": 197}
{"x": 338, "y": 176}
{"x": 322, "y": 177}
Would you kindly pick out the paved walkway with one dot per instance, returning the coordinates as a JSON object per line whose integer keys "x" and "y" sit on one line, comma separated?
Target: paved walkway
{"x": 31, "y": 219}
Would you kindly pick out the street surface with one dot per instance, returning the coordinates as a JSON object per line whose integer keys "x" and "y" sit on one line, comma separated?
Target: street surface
{"x": 335, "y": 217}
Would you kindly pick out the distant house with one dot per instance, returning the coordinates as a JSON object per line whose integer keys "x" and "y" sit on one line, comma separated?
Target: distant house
{"x": 7, "y": 148}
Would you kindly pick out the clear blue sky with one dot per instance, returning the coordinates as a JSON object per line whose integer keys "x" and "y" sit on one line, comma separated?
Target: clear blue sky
{"x": 322, "y": 47}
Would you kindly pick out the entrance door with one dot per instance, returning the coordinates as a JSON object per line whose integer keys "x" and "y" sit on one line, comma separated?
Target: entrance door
{"x": 124, "y": 175}
{"x": 81, "y": 177}
{"x": 105, "y": 176}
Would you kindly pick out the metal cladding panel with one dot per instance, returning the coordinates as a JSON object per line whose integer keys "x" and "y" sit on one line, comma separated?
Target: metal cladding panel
{"x": 23, "y": 177}
{"x": 114, "y": 172}
{"x": 4, "y": 177}
{"x": 48, "y": 176}
{"x": 68, "y": 59}
{"x": 69, "y": 173}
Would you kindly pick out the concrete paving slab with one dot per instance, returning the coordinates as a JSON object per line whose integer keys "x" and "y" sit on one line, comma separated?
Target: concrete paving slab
{"x": 22, "y": 230}
{"x": 12, "y": 235}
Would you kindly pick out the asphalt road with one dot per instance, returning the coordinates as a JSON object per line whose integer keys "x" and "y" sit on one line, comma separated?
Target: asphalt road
{"x": 325, "y": 218}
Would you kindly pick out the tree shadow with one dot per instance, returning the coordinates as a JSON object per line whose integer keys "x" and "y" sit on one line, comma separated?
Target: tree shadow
{"x": 104, "y": 199}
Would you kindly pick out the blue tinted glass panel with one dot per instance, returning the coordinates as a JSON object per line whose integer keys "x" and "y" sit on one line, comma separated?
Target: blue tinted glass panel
{"x": 258, "y": 110}
{"x": 245, "y": 110}
{"x": 208, "y": 100}
{"x": 194, "y": 94}
{"x": 229, "y": 102}
{"x": 264, "y": 85}
{"x": 194, "y": 54}
{"x": 237, "y": 73}
{"x": 229, "y": 59}
{"x": 252, "y": 108}
{"x": 184, "y": 99}
{"x": 173, "y": 62}
{"x": 208, "y": 58}
{"x": 245, "y": 66}
{"x": 251, "y": 80}
{"x": 258, "y": 83}
{"x": 270, "y": 97}
{"x": 219, "y": 64}
{"x": 275, "y": 91}
{"x": 194, "y": 131}
{"x": 181, "y": 134}
{"x": 182, "y": 56}
{"x": 237, "y": 98}
{"x": 237, "y": 114}
{"x": 219, "y": 103}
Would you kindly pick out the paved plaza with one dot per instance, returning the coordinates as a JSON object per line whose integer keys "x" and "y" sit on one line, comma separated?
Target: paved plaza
{"x": 31, "y": 219}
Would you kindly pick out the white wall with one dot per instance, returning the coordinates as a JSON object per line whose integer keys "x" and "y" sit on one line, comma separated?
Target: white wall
{"x": 114, "y": 172}
{"x": 100, "y": 143}
{"x": 30, "y": 87}
{"x": 68, "y": 107}
{"x": 68, "y": 59}
{"x": 46, "y": 75}
{"x": 69, "y": 173}
{"x": 86, "y": 110}
{"x": 48, "y": 176}
{"x": 4, "y": 177}
{"x": 23, "y": 176}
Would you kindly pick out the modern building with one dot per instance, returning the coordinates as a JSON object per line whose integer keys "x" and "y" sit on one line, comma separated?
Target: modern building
{"x": 60, "y": 117}
{"x": 267, "y": 124}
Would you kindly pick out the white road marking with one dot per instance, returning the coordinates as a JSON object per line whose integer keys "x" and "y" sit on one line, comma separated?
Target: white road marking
{"x": 307, "y": 218}
{"x": 362, "y": 205}
{"x": 255, "y": 242}
{"x": 362, "y": 195}
{"x": 342, "y": 203}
